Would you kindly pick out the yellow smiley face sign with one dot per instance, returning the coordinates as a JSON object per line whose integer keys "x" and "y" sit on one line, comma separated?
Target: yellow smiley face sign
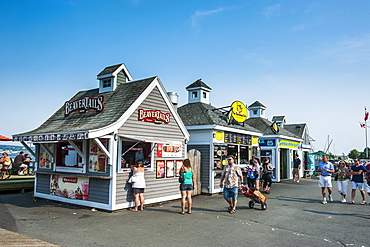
{"x": 219, "y": 135}
{"x": 239, "y": 111}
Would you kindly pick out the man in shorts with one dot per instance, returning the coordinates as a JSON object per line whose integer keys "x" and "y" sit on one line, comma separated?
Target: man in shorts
{"x": 231, "y": 177}
{"x": 296, "y": 167}
{"x": 357, "y": 171}
{"x": 326, "y": 169}
{"x": 367, "y": 176}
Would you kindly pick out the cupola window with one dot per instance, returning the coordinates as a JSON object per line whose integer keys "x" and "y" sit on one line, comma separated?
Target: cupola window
{"x": 107, "y": 83}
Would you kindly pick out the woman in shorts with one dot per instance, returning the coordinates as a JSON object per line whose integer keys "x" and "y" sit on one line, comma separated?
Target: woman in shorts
{"x": 139, "y": 186}
{"x": 343, "y": 179}
{"x": 187, "y": 186}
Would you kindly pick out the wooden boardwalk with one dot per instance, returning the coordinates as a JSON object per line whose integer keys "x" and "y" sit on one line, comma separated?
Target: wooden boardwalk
{"x": 8, "y": 238}
{"x": 16, "y": 182}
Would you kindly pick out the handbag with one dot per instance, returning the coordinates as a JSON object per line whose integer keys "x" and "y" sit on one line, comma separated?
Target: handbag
{"x": 132, "y": 179}
{"x": 181, "y": 178}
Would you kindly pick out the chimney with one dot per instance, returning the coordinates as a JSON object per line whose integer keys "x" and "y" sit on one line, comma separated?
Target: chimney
{"x": 174, "y": 97}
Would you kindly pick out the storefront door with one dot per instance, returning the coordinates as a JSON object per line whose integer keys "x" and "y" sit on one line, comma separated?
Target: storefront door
{"x": 284, "y": 159}
{"x": 270, "y": 153}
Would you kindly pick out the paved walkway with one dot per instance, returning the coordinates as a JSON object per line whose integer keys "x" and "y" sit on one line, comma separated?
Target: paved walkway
{"x": 8, "y": 238}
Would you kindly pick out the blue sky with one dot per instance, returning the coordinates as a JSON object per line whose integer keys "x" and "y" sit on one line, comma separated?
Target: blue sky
{"x": 307, "y": 60}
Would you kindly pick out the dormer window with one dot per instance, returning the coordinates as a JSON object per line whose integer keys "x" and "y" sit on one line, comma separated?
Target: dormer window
{"x": 204, "y": 95}
{"x": 107, "y": 83}
{"x": 194, "y": 95}
{"x": 255, "y": 112}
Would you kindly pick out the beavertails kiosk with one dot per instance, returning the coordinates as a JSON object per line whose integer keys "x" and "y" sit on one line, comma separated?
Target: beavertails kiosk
{"x": 85, "y": 149}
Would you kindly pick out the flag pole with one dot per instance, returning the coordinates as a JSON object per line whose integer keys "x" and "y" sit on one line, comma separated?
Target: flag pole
{"x": 366, "y": 140}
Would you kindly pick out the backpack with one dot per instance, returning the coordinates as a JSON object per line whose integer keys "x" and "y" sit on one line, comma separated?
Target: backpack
{"x": 253, "y": 174}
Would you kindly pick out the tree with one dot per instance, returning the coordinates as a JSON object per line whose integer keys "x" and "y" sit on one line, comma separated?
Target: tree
{"x": 331, "y": 156}
{"x": 364, "y": 153}
{"x": 354, "y": 153}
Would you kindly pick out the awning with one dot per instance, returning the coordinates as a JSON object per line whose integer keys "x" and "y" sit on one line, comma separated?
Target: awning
{"x": 146, "y": 139}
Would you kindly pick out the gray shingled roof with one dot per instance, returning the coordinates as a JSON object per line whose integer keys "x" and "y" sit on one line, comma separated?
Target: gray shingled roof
{"x": 296, "y": 129}
{"x": 204, "y": 114}
{"x": 257, "y": 104}
{"x": 278, "y": 118}
{"x": 109, "y": 70}
{"x": 198, "y": 83}
{"x": 116, "y": 104}
{"x": 264, "y": 124}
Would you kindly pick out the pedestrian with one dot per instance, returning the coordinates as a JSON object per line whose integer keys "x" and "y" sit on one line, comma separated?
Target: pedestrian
{"x": 252, "y": 173}
{"x": 357, "y": 172}
{"x": 231, "y": 178}
{"x": 367, "y": 176}
{"x": 326, "y": 169}
{"x": 19, "y": 165}
{"x": 296, "y": 167}
{"x": 267, "y": 175}
{"x": 343, "y": 177}
{"x": 187, "y": 187}
{"x": 138, "y": 186}
{"x": 258, "y": 166}
{"x": 5, "y": 163}
{"x": 27, "y": 161}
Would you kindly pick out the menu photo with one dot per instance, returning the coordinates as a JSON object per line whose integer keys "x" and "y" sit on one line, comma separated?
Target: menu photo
{"x": 170, "y": 169}
{"x": 178, "y": 167}
{"x": 160, "y": 169}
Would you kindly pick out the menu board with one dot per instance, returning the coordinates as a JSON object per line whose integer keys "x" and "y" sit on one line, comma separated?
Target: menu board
{"x": 238, "y": 138}
{"x": 160, "y": 169}
{"x": 170, "y": 168}
{"x": 219, "y": 156}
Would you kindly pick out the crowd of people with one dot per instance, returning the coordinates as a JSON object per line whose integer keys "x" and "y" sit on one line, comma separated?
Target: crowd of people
{"x": 358, "y": 174}
{"x": 19, "y": 165}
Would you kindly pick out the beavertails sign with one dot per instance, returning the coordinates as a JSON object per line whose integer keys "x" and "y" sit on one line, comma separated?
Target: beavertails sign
{"x": 84, "y": 104}
{"x": 154, "y": 116}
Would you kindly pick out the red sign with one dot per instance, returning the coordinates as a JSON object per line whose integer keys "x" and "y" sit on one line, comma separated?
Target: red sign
{"x": 154, "y": 116}
{"x": 84, "y": 104}
{"x": 70, "y": 180}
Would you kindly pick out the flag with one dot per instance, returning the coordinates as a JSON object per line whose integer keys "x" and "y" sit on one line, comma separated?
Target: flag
{"x": 366, "y": 115}
{"x": 363, "y": 125}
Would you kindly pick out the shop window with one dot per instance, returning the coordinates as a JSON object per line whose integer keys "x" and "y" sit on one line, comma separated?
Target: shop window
{"x": 133, "y": 152}
{"x": 233, "y": 150}
{"x": 46, "y": 160}
{"x": 68, "y": 158}
{"x": 98, "y": 160}
{"x": 244, "y": 155}
{"x": 219, "y": 156}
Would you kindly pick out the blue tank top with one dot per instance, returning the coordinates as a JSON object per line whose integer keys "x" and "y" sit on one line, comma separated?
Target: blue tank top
{"x": 188, "y": 175}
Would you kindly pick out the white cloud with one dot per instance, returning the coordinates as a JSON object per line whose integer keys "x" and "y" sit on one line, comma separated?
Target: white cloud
{"x": 350, "y": 50}
{"x": 272, "y": 10}
{"x": 195, "y": 18}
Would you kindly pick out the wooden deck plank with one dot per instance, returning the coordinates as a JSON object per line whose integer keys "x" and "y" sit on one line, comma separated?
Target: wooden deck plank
{"x": 8, "y": 238}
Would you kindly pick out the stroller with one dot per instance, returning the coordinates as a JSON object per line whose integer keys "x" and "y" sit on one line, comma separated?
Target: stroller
{"x": 255, "y": 196}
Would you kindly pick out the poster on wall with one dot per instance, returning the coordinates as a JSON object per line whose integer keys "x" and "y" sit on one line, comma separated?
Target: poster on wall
{"x": 170, "y": 169}
{"x": 178, "y": 166}
{"x": 169, "y": 150}
{"x": 70, "y": 187}
{"x": 97, "y": 158}
{"x": 45, "y": 159}
{"x": 160, "y": 169}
